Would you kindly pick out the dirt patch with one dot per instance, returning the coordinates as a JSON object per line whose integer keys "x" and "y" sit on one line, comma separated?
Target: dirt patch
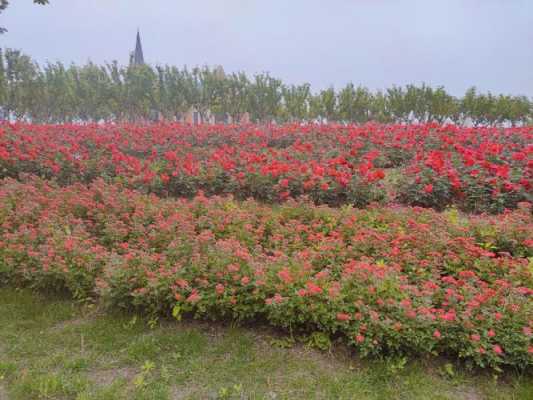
{"x": 213, "y": 330}
{"x": 182, "y": 392}
{"x": 339, "y": 356}
{"x": 108, "y": 376}
{"x": 3, "y": 393}
{"x": 465, "y": 393}
{"x": 70, "y": 323}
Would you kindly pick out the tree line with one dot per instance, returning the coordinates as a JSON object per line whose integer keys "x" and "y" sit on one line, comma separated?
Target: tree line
{"x": 58, "y": 93}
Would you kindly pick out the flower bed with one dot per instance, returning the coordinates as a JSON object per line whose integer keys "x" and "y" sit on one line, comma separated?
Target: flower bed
{"x": 387, "y": 279}
{"x": 476, "y": 169}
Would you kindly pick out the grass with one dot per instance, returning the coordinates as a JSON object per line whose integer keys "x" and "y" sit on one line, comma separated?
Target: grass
{"x": 56, "y": 349}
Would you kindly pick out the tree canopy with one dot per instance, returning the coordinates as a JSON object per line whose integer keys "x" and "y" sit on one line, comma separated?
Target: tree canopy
{"x": 55, "y": 92}
{"x": 5, "y": 3}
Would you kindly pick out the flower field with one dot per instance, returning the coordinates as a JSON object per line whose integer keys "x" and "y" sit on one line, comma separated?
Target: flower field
{"x": 209, "y": 222}
{"x": 475, "y": 169}
{"x": 388, "y": 280}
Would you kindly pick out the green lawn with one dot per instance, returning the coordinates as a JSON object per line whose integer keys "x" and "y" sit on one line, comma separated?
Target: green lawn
{"x": 55, "y": 349}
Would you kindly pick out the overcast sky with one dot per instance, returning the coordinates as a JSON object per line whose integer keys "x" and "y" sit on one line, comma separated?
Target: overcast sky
{"x": 375, "y": 43}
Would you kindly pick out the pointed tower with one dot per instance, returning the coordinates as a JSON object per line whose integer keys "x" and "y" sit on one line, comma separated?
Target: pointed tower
{"x": 137, "y": 56}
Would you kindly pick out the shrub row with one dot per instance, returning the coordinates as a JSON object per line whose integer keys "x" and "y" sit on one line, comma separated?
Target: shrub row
{"x": 475, "y": 169}
{"x": 386, "y": 279}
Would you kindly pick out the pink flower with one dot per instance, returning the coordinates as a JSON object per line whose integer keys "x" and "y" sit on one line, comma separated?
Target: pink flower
{"x": 313, "y": 289}
{"x": 193, "y": 297}
{"x": 359, "y": 338}
{"x": 343, "y": 317}
{"x": 285, "y": 275}
{"x": 278, "y": 298}
{"x": 497, "y": 349}
{"x": 428, "y": 188}
{"x": 437, "y": 334}
{"x": 69, "y": 244}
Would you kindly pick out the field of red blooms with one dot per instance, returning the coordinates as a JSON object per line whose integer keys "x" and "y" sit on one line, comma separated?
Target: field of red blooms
{"x": 133, "y": 217}
{"x": 475, "y": 169}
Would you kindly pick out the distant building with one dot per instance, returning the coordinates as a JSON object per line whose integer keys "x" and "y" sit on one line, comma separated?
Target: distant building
{"x": 137, "y": 57}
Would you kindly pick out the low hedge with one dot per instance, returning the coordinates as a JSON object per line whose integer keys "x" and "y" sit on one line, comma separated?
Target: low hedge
{"x": 388, "y": 280}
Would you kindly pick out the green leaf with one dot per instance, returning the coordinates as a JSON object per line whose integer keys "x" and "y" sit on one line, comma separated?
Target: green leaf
{"x": 176, "y": 312}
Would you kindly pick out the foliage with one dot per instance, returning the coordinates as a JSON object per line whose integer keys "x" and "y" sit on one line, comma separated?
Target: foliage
{"x": 386, "y": 280}
{"x": 54, "y": 93}
{"x": 41, "y": 339}
{"x": 5, "y": 3}
{"x": 476, "y": 169}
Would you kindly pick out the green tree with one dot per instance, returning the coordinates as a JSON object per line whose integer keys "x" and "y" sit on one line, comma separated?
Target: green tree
{"x": 265, "y": 98}
{"x": 140, "y": 83}
{"x": 116, "y": 99}
{"x": 92, "y": 90}
{"x": 56, "y": 93}
{"x": 61, "y": 99}
{"x": 206, "y": 90}
{"x": 442, "y": 106}
{"x": 5, "y": 3}
{"x": 379, "y": 110}
{"x": 236, "y": 95}
{"x": 346, "y": 105}
{"x": 296, "y": 101}
{"x": 397, "y": 105}
{"x": 354, "y": 104}
{"x": 3, "y": 87}
{"x": 329, "y": 105}
{"x": 23, "y": 84}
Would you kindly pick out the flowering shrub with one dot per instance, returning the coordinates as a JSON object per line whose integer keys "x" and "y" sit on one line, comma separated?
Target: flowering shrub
{"x": 475, "y": 169}
{"x": 387, "y": 279}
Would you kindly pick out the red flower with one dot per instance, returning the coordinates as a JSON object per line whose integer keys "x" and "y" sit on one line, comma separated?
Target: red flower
{"x": 165, "y": 178}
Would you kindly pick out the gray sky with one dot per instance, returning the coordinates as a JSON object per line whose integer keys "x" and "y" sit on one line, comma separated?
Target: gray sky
{"x": 376, "y": 43}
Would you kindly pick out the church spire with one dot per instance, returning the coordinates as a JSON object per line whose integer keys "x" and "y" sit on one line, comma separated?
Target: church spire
{"x": 138, "y": 57}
